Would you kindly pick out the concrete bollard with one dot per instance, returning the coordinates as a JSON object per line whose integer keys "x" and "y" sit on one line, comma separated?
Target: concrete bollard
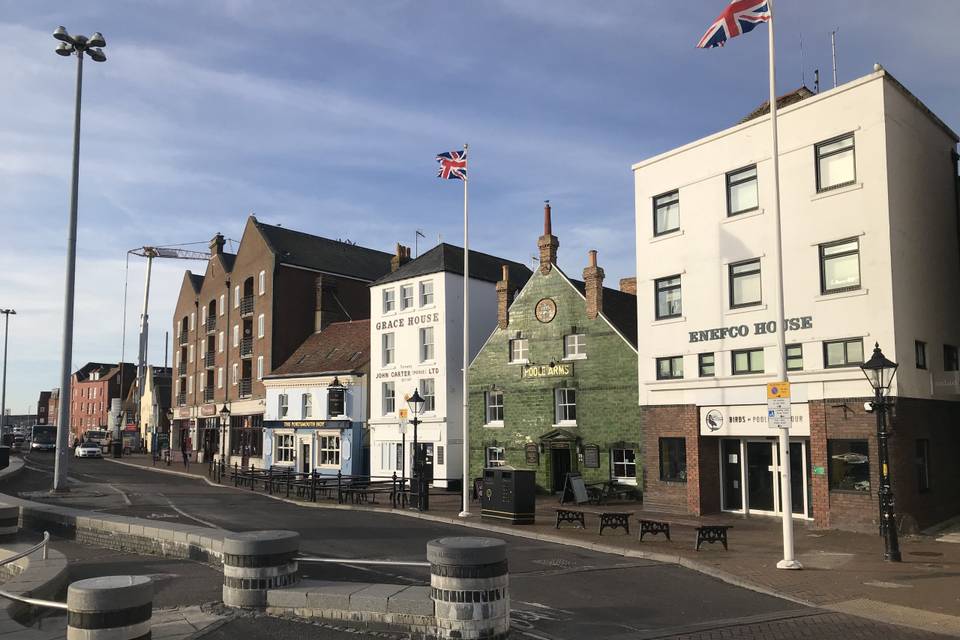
{"x": 469, "y": 587}
{"x": 110, "y": 608}
{"x": 256, "y": 561}
{"x": 9, "y": 520}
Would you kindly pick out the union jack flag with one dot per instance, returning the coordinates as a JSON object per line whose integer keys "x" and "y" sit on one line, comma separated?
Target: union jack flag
{"x": 740, "y": 16}
{"x": 453, "y": 165}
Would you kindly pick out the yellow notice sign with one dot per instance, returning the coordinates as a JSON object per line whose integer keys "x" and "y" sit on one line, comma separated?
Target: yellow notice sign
{"x": 778, "y": 405}
{"x": 403, "y": 414}
{"x": 778, "y": 390}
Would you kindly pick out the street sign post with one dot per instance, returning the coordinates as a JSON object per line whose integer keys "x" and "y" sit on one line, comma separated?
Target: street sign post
{"x": 778, "y": 405}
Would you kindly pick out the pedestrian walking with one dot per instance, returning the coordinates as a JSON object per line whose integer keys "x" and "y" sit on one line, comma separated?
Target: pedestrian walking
{"x": 185, "y": 450}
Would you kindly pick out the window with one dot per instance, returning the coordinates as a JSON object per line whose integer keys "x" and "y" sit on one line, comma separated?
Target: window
{"x": 220, "y": 341}
{"x": 219, "y": 377}
{"x": 673, "y": 459}
{"x": 575, "y": 346}
{"x": 428, "y": 392}
{"x": 742, "y": 191}
{"x": 283, "y": 407}
{"x": 494, "y": 403}
{"x": 259, "y": 367}
{"x": 329, "y": 451}
{"x": 706, "y": 362}
{"x": 836, "y": 166}
{"x": 840, "y": 266}
{"x": 519, "y": 350}
{"x": 624, "y": 462}
{"x": 666, "y": 213}
{"x": 843, "y": 353}
{"x": 234, "y": 373}
{"x": 496, "y": 457}
{"x": 388, "y": 348}
{"x": 389, "y": 300}
{"x": 203, "y": 314}
{"x": 406, "y": 296}
{"x": 389, "y": 398}
{"x": 668, "y": 297}
{"x": 262, "y": 280}
{"x": 236, "y": 296}
{"x": 190, "y": 384}
{"x": 923, "y": 465}
{"x": 190, "y": 353}
{"x": 260, "y": 326}
{"x": 794, "y": 357}
{"x": 426, "y": 344}
{"x": 221, "y": 306}
{"x": 306, "y": 405}
{"x": 670, "y": 368}
{"x": 285, "y": 447}
{"x": 391, "y": 456}
{"x": 747, "y": 361}
{"x": 236, "y": 335}
{"x": 745, "y": 284}
{"x": 849, "y": 465}
{"x": 426, "y": 293}
{"x": 566, "y": 406}
{"x": 950, "y": 361}
{"x": 193, "y": 319}
{"x": 920, "y": 349}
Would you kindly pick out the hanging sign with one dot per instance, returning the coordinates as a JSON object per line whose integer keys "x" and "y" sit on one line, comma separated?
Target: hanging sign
{"x": 778, "y": 405}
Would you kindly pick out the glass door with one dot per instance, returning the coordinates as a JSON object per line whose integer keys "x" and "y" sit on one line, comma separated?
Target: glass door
{"x": 732, "y": 471}
{"x": 760, "y": 476}
{"x": 800, "y": 495}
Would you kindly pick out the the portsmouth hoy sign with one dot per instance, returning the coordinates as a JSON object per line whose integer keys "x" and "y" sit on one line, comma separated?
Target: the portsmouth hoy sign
{"x": 743, "y": 330}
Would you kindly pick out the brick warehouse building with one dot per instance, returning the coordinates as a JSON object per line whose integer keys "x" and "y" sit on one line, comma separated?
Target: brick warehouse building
{"x": 245, "y": 316}
{"x": 92, "y": 389}
{"x": 553, "y": 387}
{"x": 870, "y": 253}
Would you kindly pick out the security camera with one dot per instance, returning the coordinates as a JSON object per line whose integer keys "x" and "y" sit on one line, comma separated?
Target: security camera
{"x": 868, "y": 407}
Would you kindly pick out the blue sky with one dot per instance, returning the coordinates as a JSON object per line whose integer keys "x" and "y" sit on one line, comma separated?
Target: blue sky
{"x": 325, "y": 116}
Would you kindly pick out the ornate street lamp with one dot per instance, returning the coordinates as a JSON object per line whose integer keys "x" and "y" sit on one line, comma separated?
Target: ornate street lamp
{"x": 224, "y": 424}
{"x": 416, "y": 402}
{"x": 879, "y": 372}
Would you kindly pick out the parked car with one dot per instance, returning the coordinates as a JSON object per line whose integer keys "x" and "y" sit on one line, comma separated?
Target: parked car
{"x": 18, "y": 443}
{"x": 88, "y": 450}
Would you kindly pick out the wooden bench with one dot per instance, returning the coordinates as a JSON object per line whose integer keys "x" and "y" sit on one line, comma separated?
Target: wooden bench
{"x": 706, "y": 532}
{"x": 608, "y": 519}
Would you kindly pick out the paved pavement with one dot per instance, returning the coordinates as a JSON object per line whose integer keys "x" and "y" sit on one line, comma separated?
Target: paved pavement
{"x": 558, "y": 592}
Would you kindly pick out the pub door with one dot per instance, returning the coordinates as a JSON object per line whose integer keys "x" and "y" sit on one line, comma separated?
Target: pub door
{"x": 426, "y": 454}
{"x": 560, "y": 466}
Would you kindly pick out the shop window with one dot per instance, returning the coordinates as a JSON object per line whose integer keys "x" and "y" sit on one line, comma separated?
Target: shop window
{"x": 669, "y": 303}
{"x": 747, "y": 361}
{"x": 745, "y": 290}
{"x": 429, "y": 394}
{"x": 920, "y": 349}
{"x": 389, "y": 398}
{"x": 670, "y": 368}
{"x": 624, "y": 463}
{"x": 666, "y": 213}
{"x": 742, "y": 193}
{"x": 389, "y": 300}
{"x": 566, "y": 400}
{"x": 494, "y": 404}
{"x": 519, "y": 349}
{"x": 950, "y": 362}
{"x": 706, "y": 363}
{"x": 840, "y": 266}
{"x": 575, "y": 346}
{"x": 496, "y": 457}
{"x": 923, "y": 465}
{"x": 285, "y": 447}
{"x": 329, "y": 451}
{"x": 849, "y": 465}
{"x": 673, "y": 459}
{"x": 391, "y": 456}
{"x": 836, "y": 165}
{"x": 426, "y": 293}
{"x": 794, "y": 357}
{"x": 843, "y": 353}
{"x": 406, "y": 296}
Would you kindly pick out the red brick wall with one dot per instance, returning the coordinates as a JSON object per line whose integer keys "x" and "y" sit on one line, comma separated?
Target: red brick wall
{"x": 677, "y": 421}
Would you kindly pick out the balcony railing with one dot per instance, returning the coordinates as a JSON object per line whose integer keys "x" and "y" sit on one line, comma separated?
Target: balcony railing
{"x": 246, "y": 306}
{"x": 245, "y": 387}
{"x": 182, "y": 369}
{"x": 182, "y": 399}
{"x": 246, "y": 347}
{"x": 209, "y": 358}
{"x": 211, "y": 324}
{"x": 183, "y": 338}
{"x": 208, "y": 394}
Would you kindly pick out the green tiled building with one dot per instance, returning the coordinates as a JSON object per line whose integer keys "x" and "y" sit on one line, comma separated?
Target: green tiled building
{"x": 554, "y": 387}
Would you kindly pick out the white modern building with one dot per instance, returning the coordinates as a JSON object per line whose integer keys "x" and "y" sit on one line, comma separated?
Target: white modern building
{"x": 416, "y": 342}
{"x": 870, "y": 253}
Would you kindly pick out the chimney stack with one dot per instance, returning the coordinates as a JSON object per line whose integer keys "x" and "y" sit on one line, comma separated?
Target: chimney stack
{"x": 548, "y": 242}
{"x": 216, "y": 244}
{"x": 593, "y": 279}
{"x": 504, "y": 298}
{"x": 401, "y": 258}
{"x": 629, "y": 285}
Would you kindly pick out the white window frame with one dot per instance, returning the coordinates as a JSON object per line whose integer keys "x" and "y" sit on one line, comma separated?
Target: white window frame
{"x": 221, "y": 339}
{"x": 575, "y": 346}
{"x": 626, "y": 479}
{"x": 328, "y": 454}
{"x": 259, "y": 367}
{"x": 190, "y": 352}
{"x": 306, "y": 405}
{"x": 235, "y": 373}
{"x": 489, "y": 408}
{"x": 193, "y": 320}
{"x": 391, "y": 454}
{"x": 190, "y": 384}
{"x": 495, "y": 456}
{"x": 562, "y": 404}
{"x": 262, "y": 282}
{"x": 403, "y": 298}
{"x": 429, "y": 395}
{"x": 236, "y": 335}
{"x": 389, "y": 300}
{"x": 285, "y": 446}
{"x": 283, "y": 406}
{"x": 388, "y": 349}
{"x": 388, "y": 403}
{"x": 521, "y": 354}
{"x": 236, "y": 296}
{"x": 220, "y": 307}
{"x": 260, "y": 324}
{"x": 219, "y": 377}
{"x": 203, "y": 314}
{"x": 427, "y": 346}
{"x": 424, "y": 293}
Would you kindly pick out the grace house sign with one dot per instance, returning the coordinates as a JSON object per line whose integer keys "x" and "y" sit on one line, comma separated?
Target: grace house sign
{"x": 743, "y": 330}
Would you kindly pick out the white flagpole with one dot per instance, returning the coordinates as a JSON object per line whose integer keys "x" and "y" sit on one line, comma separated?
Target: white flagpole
{"x": 786, "y": 502}
{"x": 465, "y": 513}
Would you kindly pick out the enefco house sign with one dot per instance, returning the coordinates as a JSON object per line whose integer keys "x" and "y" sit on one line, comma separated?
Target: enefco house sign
{"x": 743, "y": 330}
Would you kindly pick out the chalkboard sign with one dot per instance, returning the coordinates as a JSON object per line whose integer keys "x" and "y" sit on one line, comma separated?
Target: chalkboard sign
{"x": 532, "y": 453}
{"x": 591, "y": 456}
{"x": 574, "y": 489}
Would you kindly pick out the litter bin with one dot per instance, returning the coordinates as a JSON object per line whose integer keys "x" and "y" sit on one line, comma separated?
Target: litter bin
{"x": 4, "y": 457}
{"x": 117, "y": 449}
{"x": 509, "y": 494}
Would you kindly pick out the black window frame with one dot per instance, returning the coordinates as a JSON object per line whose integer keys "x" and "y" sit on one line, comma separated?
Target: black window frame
{"x": 832, "y": 481}
{"x": 817, "y": 157}
{"x": 750, "y": 353}
{"x": 846, "y": 358}
{"x": 656, "y": 296}
{"x": 920, "y": 354}
{"x": 923, "y": 465}
{"x": 731, "y": 182}
{"x": 951, "y": 361}
{"x": 680, "y": 451}
{"x": 823, "y": 274}
{"x": 701, "y": 364}
{"x": 673, "y": 371}
{"x": 731, "y": 277}
{"x": 795, "y": 345}
{"x": 656, "y": 206}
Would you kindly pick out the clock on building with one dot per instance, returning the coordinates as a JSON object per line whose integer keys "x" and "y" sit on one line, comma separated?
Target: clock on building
{"x": 546, "y": 310}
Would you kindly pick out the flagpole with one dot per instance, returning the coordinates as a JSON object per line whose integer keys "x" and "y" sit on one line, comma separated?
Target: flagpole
{"x": 786, "y": 496}
{"x": 465, "y": 513}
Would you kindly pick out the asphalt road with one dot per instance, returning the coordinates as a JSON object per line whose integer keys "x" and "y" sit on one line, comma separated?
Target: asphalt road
{"x": 557, "y": 592}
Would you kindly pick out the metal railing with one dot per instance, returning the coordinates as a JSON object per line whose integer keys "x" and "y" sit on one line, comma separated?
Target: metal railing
{"x": 37, "y": 602}
{"x": 182, "y": 369}
{"x": 183, "y": 338}
{"x": 208, "y": 394}
{"x": 211, "y": 323}
{"x": 246, "y": 346}
{"x": 182, "y": 399}
{"x": 246, "y": 306}
{"x": 209, "y": 358}
{"x": 245, "y": 387}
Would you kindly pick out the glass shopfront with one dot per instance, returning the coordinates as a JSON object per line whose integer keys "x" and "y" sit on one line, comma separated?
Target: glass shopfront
{"x": 750, "y": 479}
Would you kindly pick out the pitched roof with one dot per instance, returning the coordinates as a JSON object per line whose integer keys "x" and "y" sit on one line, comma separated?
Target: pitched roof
{"x": 322, "y": 254}
{"x": 448, "y": 257}
{"x": 619, "y": 308}
{"x": 196, "y": 281}
{"x": 228, "y": 260}
{"x": 343, "y": 347}
{"x": 785, "y": 100}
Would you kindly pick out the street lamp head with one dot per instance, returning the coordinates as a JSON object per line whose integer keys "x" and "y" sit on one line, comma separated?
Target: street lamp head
{"x": 64, "y": 49}
{"x": 97, "y": 55}
{"x": 96, "y": 40}
{"x": 879, "y": 370}
{"x": 415, "y": 402}
{"x": 60, "y": 33}
{"x": 225, "y": 416}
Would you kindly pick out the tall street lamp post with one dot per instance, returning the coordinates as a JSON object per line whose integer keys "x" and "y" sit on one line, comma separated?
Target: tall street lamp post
{"x": 71, "y": 45}
{"x": 224, "y": 425}
{"x": 880, "y": 372}
{"x": 3, "y": 395}
{"x": 416, "y": 402}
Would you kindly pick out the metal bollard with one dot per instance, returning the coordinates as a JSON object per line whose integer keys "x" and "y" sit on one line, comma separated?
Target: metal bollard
{"x": 256, "y": 561}
{"x": 9, "y": 521}
{"x": 469, "y": 584}
{"x": 110, "y": 608}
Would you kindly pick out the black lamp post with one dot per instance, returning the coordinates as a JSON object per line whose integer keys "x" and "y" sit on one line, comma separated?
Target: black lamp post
{"x": 416, "y": 402}
{"x": 880, "y": 372}
{"x": 169, "y": 434}
{"x": 224, "y": 423}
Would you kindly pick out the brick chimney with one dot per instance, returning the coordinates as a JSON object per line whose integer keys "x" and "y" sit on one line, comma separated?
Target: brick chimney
{"x": 401, "y": 258}
{"x": 629, "y": 285}
{"x": 504, "y": 298}
{"x": 216, "y": 244}
{"x": 593, "y": 279}
{"x": 548, "y": 242}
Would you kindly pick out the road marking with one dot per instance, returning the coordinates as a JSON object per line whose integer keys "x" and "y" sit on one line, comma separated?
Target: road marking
{"x": 126, "y": 498}
{"x": 187, "y": 515}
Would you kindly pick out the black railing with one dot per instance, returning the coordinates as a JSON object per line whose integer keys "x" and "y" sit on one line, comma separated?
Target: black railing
{"x": 209, "y": 358}
{"x": 182, "y": 369}
{"x": 246, "y": 306}
{"x": 183, "y": 338}
{"x": 245, "y": 386}
{"x": 181, "y": 399}
{"x": 208, "y": 394}
{"x": 211, "y": 324}
{"x": 246, "y": 346}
